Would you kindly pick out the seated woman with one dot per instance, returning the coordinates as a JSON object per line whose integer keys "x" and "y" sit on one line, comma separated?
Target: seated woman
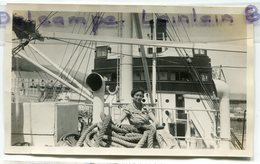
{"x": 136, "y": 113}
{"x": 144, "y": 119}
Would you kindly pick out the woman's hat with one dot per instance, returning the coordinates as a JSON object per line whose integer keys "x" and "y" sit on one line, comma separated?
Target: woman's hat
{"x": 136, "y": 90}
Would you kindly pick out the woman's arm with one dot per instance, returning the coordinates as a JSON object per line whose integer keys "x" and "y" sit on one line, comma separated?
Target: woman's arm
{"x": 123, "y": 116}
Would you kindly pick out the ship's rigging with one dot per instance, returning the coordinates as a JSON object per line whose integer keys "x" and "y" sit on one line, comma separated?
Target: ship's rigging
{"x": 173, "y": 33}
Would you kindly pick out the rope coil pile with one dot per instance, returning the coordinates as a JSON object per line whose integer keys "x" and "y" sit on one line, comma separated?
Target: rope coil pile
{"x": 106, "y": 134}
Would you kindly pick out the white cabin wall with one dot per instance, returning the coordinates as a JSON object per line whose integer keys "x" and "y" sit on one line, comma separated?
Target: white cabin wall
{"x": 203, "y": 119}
{"x": 164, "y": 103}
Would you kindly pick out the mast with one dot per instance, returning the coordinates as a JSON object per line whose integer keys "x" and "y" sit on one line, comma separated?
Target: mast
{"x": 126, "y": 62}
{"x": 154, "y": 61}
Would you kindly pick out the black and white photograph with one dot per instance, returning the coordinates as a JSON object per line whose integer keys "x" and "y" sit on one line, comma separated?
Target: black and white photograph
{"x": 129, "y": 80}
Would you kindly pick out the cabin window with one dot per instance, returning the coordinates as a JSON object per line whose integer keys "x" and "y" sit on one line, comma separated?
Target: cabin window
{"x": 204, "y": 77}
{"x": 102, "y": 51}
{"x": 162, "y": 75}
{"x": 199, "y": 52}
{"x": 161, "y": 26}
{"x": 137, "y": 76}
{"x": 151, "y": 75}
{"x": 107, "y": 77}
{"x": 179, "y": 99}
{"x": 142, "y": 76}
{"x": 160, "y": 36}
{"x": 184, "y": 76}
{"x": 180, "y": 103}
{"x": 196, "y": 51}
{"x": 173, "y": 76}
{"x": 113, "y": 77}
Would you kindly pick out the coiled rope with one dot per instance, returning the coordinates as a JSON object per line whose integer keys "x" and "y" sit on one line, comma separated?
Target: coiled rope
{"x": 106, "y": 134}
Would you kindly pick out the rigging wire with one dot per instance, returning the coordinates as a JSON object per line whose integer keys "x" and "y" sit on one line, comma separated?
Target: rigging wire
{"x": 53, "y": 89}
{"x": 85, "y": 54}
{"x": 68, "y": 43}
{"x": 26, "y": 54}
{"x": 179, "y": 51}
{"x": 98, "y": 22}
{"x": 174, "y": 30}
{"x": 186, "y": 32}
{"x": 46, "y": 19}
{"x": 124, "y": 54}
{"x": 78, "y": 45}
{"x": 213, "y": 103}
{"x": 23, "y": 44}
{"x": 86, "y": 71}
{"x": 36, "y": 61}
{"x": 190, "y": 64}
{"x": 193, "y": 72}
{"x": 74, "y": 52}
{"x": 77, "y": 58}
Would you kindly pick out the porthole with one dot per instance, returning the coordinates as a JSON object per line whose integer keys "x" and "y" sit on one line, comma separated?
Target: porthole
{"x": 198, "y": 100}
{"x": 143, "y": 100}
{"x": 167, "y": 101}
{"x": 167, "y": 112}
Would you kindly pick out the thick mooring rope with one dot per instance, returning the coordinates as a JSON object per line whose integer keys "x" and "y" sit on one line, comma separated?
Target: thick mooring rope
{"x": 105, "y": 127}
{"x": 142, "y": 140}
{"x": 106, "y": 134}
{"x": 84, "y": 134}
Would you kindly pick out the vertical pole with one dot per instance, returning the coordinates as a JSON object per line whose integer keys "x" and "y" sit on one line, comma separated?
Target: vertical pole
{"x": 119, "y": 50}
{"x": 224, "y": 122}
{"x": 145, "y": 65}
{"x": 17, "y": 110}
{"x": 154, "y": 61}
{"x": 188, "y": 129}
{"x": 126, "y": 66}
{"x": 244, "y": 126}
{"x": 223, "y": 94}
